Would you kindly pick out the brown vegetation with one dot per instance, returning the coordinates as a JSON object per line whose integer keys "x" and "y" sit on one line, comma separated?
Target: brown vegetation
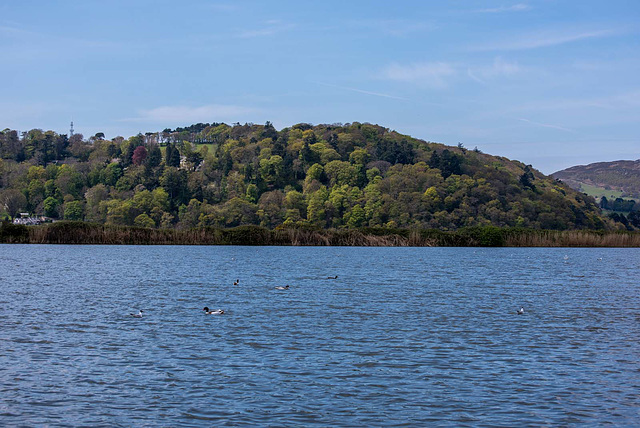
{"x": 86, "y": 233}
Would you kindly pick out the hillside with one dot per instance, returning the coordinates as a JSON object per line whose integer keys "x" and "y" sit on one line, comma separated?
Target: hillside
{"x": 611, "y": 179}
{"x": 324, "y": 176}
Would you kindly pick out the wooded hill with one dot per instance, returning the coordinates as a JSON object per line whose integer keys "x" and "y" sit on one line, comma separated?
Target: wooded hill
{"x": 622, "y": 176}
{"x": 325, "y": 176}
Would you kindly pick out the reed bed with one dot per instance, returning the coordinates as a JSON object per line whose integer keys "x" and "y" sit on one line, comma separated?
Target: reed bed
{"x": 65, "y": 232}
{"x": 573, "y": 238}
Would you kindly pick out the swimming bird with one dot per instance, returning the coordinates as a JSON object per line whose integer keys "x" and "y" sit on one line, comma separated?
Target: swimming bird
{"x": 520, "y": 311}
{"x": 216, "y": 312}
{"x": 236, "y": 282}
{"x": 138, "y": 315}
{"x": 332, "y": 277}
{"x": 286, "y": 287}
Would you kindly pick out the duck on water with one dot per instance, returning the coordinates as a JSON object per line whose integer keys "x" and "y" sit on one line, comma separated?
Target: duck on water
{"x": 216, "y": 312}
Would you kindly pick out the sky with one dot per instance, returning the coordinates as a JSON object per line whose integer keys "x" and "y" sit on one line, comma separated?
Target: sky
{"x": 550, "y": 83}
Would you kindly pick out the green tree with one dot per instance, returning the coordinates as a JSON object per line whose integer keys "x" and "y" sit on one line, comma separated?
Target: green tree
{"x": 93, "y": 197}
{"x": 154, "y": 157}
{"x": 51, "y": 207}
{"x": 111, "y": 174}
{"x": 143, "y": 220}
{"x": 73, "y": 210}
{"x": 356, "y": 217}
{"x": 316, "y": 213}
{"x": 252, "y": 193}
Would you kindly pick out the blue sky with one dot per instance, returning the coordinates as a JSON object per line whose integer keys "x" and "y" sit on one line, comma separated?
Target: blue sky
{"x": 551, "y": 83}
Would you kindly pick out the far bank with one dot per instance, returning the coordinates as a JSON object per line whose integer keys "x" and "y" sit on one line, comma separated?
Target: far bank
{"x": 69, "y": 232}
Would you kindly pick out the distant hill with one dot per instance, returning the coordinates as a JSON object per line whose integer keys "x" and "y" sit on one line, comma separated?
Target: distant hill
{"x": 611, "y": 179}
{"x": 335, "y": 176}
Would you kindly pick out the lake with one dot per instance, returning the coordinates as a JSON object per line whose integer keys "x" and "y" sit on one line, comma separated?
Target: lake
{"x": 403, "y": 336}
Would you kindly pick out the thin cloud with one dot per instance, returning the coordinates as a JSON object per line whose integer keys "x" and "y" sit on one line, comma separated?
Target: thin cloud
{"x": 433, "y": 74}
{"x": 222, "y": 7}
{"x": 626, "y": 101}
{"x": 520, "y": 7}
{"x": 392, "y": 27}
{"x": 205, "y": 113}
{"x": 546, "y": 125}
{"x": 544, "y": 39}
{"x": 361, "y": 91}
{"x": 27, "y": 42}
{"x": 271, "y": 28}
{"x": 499, "y": 68}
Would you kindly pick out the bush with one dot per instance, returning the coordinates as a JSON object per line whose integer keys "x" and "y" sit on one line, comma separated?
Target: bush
{"x": 13, "y": 233}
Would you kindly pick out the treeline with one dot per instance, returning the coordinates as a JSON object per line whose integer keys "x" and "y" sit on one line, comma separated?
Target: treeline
{"x": 65, "y": 232}
{"x": 336, "y": 176}
{"x": 619, "y": 204}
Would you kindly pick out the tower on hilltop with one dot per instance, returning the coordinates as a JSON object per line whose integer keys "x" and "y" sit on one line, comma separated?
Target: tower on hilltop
{"x": 71, "y": 130}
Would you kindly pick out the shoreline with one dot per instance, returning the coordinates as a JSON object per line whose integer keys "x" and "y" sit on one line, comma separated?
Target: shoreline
{"x": 81, "y": 233}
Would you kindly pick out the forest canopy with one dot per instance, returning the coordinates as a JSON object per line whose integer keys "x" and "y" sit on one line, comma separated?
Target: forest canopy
{"x": 324, "y": 176}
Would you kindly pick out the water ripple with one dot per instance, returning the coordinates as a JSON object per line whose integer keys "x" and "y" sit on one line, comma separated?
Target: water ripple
{"x": 404, "y": 337}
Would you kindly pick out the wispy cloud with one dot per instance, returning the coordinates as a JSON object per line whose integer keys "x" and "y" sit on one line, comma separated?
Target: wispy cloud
{"x": 543, "y": 39}
{"x": 222, "y": 7}
{"x": 361, "y": 91}
{"x": 432, "y": 74}
{"x": 499, "y": 68}
{"x": 546, "y": 125}
{"x": 35, "y": 46}
{"x": 626, "y": 101}
{"x": 269, "y": 28}
{"x": 392, "y": 27}
{"x": 520, "y": 7}
{"x": 187, "y": 114}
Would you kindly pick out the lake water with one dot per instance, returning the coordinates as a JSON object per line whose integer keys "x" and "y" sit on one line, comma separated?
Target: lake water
{"x": 404, "y": 336}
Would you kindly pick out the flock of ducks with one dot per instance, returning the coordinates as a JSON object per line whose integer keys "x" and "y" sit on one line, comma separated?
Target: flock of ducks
{"x": 208, "y": 311}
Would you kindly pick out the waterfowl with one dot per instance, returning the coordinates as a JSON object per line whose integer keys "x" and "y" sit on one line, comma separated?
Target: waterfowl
{"x": 286, "y": 287}
{"x": 138, "y": 315}
{"x": 237, "y": 282}
{"x": 332, "y": 277}
{"x": 520, "y": 311}
{"x": 216, "y": 312}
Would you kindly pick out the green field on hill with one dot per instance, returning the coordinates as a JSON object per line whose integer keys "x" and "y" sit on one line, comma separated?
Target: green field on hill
{"x": 599, "y": 192}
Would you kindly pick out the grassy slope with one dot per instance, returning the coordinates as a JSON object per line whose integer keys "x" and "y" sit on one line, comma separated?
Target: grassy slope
{"x": 622, "y": 177}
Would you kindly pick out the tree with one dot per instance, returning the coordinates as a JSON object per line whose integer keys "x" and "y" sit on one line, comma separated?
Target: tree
{"x": 175, "y": 183}
{"x": 94, "y": 196}
{"x": 69, "y": 181}
{"x": 51, "y": 207}
{"x": 172, "y": 156}
{"x": 154, "y": 157}
{"x": 73, "y": 210}
{"x": 139, "y": 155}
{"x": 526, "y": 179}
{"x": 13, "y": 201}
{"x": 315, "y": 208}
{"x": 143, "y": 220}
{"x": 252, "y": 193}
{"x": 355, "y": 217}
{"x": 111, "y": 174}
{"x": 271, "y": 169}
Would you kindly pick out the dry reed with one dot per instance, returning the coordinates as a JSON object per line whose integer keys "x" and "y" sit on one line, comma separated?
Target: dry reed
{"x": 87, "y": 233}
